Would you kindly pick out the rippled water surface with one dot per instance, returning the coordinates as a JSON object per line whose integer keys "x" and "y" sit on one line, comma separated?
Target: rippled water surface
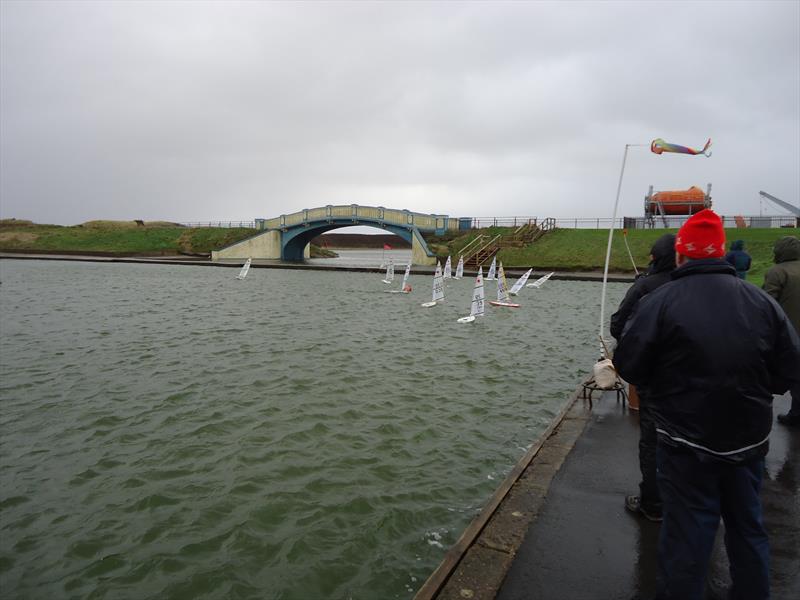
{"x": 171, "y": 432}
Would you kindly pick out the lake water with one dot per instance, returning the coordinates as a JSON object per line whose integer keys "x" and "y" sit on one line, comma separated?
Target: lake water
{"x": 171, "y": 432}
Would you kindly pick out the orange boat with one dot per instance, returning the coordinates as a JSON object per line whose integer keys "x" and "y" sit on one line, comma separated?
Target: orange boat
{"x": 681, "y": 202}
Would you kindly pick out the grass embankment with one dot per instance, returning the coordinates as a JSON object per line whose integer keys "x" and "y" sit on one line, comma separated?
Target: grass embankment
{"x": 561, "y": 249}
{"x": 585, "y": 249}
{"x": 123, "y": 238}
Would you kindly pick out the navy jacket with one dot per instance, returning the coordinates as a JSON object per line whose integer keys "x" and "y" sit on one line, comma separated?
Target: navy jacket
{"x": 712, "y": 349}
{"x": 739, "y": 259}
{"x": 663, "y": 252}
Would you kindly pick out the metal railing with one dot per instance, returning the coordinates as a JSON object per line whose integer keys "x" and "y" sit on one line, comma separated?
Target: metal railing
{"x": 673, "y": 222}
{"x": 477, "y": 240}
{"x": 361, "y": 215}
{"x": 224, "y": 224}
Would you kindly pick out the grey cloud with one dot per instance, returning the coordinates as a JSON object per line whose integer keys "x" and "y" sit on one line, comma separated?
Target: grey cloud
{"x": 197, "y": 111}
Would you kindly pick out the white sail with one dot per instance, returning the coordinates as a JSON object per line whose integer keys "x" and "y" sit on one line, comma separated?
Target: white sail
{"x": 460, "y": 268}
{"x": 404, "y": 285}
{"x": 245, "y": 268}
{"x": 540, "y": 281}
{"x": 448, "y": 269}
{"x": 438, "y": 287}
{"x": 502, "y": 285}
{"x": 519, "y": 283}
{"x": 477, "y": 306}
{"x": 490, "y": 274}
{"x": 438, "y": 284}
{"x": 389, "y": 272}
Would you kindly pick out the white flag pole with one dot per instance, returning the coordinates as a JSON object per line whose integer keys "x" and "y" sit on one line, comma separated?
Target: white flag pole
{"x": 610, "y": 237}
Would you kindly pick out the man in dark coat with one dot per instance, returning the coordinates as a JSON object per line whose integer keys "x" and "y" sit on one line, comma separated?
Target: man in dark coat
{"x": 739, "y": 259}
{"x": 712, "y": 350}
{"x": 662, "y": 263}
{"x": 782, "y": 282}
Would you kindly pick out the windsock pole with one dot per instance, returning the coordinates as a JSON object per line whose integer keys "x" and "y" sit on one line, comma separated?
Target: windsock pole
{"x": 610, "y": 237}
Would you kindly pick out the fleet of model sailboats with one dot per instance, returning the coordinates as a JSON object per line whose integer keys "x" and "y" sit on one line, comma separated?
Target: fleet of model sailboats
{"x": 477, "y": 306}
{"x": 502, "y": 291}
{"x": 405, "y": 288}
{"x": 478, "y": 294}
{"x": 245, "y": 269}
{"x": 389, "y": 273}
{"x": 538, "y": 283}
{"x": 438, "y": 288}
{"x": 519, "y": 283}
{"x": 490, "y": 274}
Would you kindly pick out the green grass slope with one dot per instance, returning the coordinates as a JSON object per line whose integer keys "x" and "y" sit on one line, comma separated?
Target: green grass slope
{"x": 585, "y": 249}
{"x": 115, "y": 237}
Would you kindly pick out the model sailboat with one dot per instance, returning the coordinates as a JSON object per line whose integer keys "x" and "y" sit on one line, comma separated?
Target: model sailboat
{"x": 438, "y": 287}
{"x": 477, "y": 307}
{"x": 540, "y": 281}
{"x": 502, "y": 291}
{"x": 245, "y": 269}
{"x": 405, "y": 288}
{"x": 448, "y": 269}
{"x": 460, "y": 268}
{"x": 519, "y": 283}
{"x": 389, "y": 273}
{"x": 490, "y": 275}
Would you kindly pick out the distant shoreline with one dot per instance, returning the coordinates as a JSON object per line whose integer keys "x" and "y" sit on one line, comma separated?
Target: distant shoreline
{"x": 563, "y": 275}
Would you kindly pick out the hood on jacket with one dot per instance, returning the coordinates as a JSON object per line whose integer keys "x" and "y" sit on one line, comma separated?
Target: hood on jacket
{"x": 787, "y": 248}
{"x": 737, "y": 245}
{"x": 663, "y": 252}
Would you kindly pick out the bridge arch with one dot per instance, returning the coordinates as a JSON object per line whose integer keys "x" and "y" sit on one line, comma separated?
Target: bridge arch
{"x": 286, "y": 237}
{"x": 295, "y": 241}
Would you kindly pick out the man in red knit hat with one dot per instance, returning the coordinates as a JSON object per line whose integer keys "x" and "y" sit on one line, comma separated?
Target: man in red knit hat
{"x": 712, "y": 349}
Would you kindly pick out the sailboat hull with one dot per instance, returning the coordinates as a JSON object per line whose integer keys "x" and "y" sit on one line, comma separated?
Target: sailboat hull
{"x": 467, "y": 319}
{"x": 505, "y": 304}
{"x": 428, "y": 304}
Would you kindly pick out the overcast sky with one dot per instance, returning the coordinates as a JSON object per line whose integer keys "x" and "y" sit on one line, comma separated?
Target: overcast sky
{"x": 196, "y": 111}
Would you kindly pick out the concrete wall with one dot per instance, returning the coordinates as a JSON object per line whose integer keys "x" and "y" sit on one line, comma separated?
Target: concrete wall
{"x": 266, "y": 245}
{"x": 419, "y": 254}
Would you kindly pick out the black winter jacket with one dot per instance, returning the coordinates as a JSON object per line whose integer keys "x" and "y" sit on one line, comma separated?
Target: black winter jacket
{"x": 712, "y": 349}
{"x": 663, "y": 252}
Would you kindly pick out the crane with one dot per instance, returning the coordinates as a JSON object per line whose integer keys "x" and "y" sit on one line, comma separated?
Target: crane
{"x": 790, "y": 207}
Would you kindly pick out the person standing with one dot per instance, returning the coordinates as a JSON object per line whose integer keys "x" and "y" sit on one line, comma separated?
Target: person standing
{"x": 710, "y": 384}
{"x": 739, "y": 259}
{"x": 662, "y": 263}
{"x": 782, "y": 282}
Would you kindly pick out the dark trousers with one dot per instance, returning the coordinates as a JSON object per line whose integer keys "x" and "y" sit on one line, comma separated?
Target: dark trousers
{"x": 696, "y": 490}
{"x": 648, "y": 488}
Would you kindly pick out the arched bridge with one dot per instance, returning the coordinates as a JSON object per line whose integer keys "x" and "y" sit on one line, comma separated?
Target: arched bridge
{"x": 287, "y": 237}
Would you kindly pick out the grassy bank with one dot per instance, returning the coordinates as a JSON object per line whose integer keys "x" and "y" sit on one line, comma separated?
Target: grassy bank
{"x": 116, "y": 237}
{"x": 123, "y": 238}
{"x": 585, "y": 249}
{"x": 562, "y": 249}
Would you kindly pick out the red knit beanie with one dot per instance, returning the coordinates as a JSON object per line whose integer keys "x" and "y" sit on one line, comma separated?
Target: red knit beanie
{"x": 702, "y": 236}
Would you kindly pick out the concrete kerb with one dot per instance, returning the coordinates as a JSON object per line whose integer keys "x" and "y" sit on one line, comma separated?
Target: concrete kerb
{"x": 474, "y": 568}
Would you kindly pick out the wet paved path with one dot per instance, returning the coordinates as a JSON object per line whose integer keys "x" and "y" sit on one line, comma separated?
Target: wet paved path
{"x": 584, "y": 545}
